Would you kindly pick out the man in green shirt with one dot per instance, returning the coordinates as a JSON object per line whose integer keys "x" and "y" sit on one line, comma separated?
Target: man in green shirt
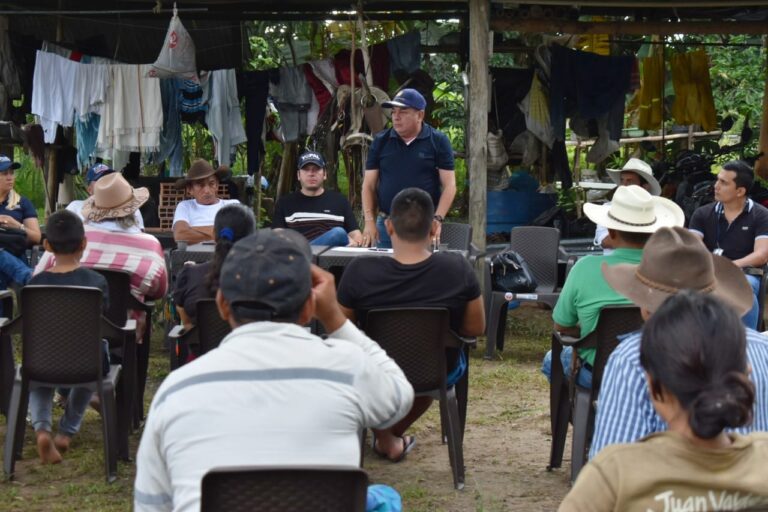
{"x": 631, "y": 218}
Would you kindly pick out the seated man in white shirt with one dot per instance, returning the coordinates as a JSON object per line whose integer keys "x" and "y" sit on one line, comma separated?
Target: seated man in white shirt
{"x": 94, "y": 174}
{"x": 193, "y": 219}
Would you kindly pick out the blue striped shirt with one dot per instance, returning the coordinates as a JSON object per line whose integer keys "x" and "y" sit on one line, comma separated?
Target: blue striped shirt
{"x": 625, "y": 412}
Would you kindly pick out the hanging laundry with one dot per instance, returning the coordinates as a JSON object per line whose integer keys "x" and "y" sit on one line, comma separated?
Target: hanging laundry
{"x": 9, "y": 72}
{"x": 510, "y": 86}
{"x": 650, "y": 96}
{"x": 322, "y": 91}
{"x": 379, "y": 62}
{"x": 170, "y": 138}
{"x": 193, "y": 105}
{"x": 91, "y": 83}
{"x": 223, "y": 118}
{"x": 255, "y": 89}
{"x": 535, "y": 106}
{"x": 586, "y": 85}
{"x": 53, "y": 92}
{"x": 86, "y": 133}
{"x": 133, "y": 113}
{"x": 405, "y": 53}
{"x": 693, "y": 90}
{"x": 293, "y": 98}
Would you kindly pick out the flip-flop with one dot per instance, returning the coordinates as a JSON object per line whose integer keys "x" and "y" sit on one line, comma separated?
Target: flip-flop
{"x": 408, "y": 443}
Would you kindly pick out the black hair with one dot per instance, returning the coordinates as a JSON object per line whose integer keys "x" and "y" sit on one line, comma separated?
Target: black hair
{"x": 411, "y": 214}
{"x": 634, "y": 238}
{"x": 745, "y": 176}
{"x": 694, "y": 346}
{"x": 64, "y": 232}
{"x": 232, "y": 222}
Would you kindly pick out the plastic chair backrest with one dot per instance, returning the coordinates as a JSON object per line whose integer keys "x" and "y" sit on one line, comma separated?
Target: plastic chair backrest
{"x": 180, "y": 256}
{"x": 613, "y": 322}
{"x": 211, "y": 328}
{"x": 415, "y": 339}
{"x": 457, "y": 236}
{"x": 61, "y": 333}
{"x": 284, "y": 489}
{"x": 539, "y": 247}
{"x": 119, "y": 287}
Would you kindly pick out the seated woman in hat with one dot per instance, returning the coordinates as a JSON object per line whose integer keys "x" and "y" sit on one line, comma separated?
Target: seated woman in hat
{"x": 115, "y": 242}
{"x": 18, "y": 227}
{"x": 193, "y": 219}
{"x": 693, "y": 352}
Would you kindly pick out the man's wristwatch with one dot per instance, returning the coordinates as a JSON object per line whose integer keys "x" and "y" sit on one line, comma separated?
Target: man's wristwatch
{"x": 439, "y": 218}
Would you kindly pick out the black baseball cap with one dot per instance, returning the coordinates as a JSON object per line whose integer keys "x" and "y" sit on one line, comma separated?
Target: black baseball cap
{"x": 311, "y": 157}
{"x": 267, "y": 275}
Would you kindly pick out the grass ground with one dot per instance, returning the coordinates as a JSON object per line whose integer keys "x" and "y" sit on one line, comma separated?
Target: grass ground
{"x": 506, "y": 445}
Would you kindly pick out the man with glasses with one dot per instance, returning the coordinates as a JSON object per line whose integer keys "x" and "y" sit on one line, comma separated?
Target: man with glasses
{"x": 410, "y": 154}
{"x": 324, "y": 217}
{"x": 193, "y": 218}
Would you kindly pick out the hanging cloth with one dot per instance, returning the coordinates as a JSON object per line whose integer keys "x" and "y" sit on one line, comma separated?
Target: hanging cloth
{"x": 223, "y": 117}
{"x": 693, "y": 90}
{"x": 651, "y": 103}
{"x": 133, "y": 113}
{"x": 53, "y": 92}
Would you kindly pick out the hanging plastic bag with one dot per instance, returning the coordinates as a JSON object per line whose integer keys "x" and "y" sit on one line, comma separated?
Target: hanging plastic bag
{"x": 497, "y": 153}
{"x": 177, "y": 57}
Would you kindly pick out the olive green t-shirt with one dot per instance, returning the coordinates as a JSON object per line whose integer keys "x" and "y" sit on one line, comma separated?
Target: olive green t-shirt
{"x": 586, "y": 292}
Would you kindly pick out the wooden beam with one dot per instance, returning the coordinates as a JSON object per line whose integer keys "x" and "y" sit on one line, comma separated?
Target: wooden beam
{"x": 662, "y": 28}
{"x": 478, "y": 118}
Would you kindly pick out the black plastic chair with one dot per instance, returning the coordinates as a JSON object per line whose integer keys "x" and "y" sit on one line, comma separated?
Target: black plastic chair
{"x": 7, "y": 367}
{"x": 761, "y": 299}
{"x": 134, "y": 357}
{"x": 61, "y": 330}
{"x": 457, "y": 236}
{"x": 284, "y": 489}
{"x": 539, "y": 246}
{"x": 416, "y": 339}
{"x": 205, "y": 335}
{"x": 571, "y": 401}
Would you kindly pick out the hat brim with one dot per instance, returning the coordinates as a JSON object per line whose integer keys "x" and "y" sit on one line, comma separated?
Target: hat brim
{"x": 654, "y": 188}
{"x": 667, "y": 214}
{"x": 730, "y": 286}
{"x": 221, "y": 174}
{"x": 316, "y": 162}
{"x": 393, "y": 103}
{"x": 93, "y": 213}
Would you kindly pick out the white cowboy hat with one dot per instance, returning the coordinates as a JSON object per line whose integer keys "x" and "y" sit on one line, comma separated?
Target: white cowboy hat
{"x": 640, "y": 168}
{"x": 634, "y": 210}
{"x": 113, "y": 198}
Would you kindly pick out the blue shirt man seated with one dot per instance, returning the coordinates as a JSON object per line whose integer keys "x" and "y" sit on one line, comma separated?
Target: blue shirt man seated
{"x": 324, "y": 217}
{"x": 736, "y": 227}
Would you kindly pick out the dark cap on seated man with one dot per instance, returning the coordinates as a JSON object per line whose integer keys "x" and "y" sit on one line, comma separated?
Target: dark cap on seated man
{"x": 311, "y": 157}
{"x": 267, "y": 277}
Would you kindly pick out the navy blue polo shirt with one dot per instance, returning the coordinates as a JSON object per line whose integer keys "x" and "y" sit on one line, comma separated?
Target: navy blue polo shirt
{"x": 737, "y": 239}
{"x": 404, "y": 165}
{"x": 24, "y": 210}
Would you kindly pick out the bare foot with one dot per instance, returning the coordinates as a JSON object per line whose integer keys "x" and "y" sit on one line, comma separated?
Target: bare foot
{"x": 61, "y": 442}
{"x": 46, "y": 449}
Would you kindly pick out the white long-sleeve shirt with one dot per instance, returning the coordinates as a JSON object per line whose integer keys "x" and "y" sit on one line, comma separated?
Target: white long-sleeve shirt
{"x": 271, "y": 394}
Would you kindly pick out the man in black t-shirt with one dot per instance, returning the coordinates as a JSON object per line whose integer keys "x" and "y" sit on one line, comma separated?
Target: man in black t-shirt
{"x": 324, "y": 217}
{"x": 414, "y": 276}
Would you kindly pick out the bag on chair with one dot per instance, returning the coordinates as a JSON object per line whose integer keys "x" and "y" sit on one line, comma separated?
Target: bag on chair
{"x": 510, "y": 273}
{"x": 14, "y": 241}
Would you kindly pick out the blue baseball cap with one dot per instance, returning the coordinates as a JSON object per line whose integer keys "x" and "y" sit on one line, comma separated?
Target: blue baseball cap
{"x": 6, "y": 163}
{"x": 96, "y": 172}
{"x": 311, "y": 157}
{"x": 407, "y": 98}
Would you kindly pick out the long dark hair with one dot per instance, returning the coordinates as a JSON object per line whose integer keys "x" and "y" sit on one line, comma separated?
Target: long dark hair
{"x": 695, "y": 347}
{"x": 232, "y": 222}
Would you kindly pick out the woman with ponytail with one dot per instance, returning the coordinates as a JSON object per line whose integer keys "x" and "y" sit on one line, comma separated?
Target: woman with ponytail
{"x": 693, "y": 351}
{"x": 201, "y": 281}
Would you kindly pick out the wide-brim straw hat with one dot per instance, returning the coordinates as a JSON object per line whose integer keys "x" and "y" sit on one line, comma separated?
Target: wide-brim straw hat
{"x": 113, "y": 198}
{"x": 674, "y": 259}
{"x": 635, "y": 210}
{"x": 202, "y": 169}
{"x": 642, "y": 169}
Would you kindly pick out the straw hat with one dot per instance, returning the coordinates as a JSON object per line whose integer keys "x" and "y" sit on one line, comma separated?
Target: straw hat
{"x": 113, "y": 198}
{"x": 640, "y": 168}
{"x": 675, "y": 259}
{"x": 202, "y": 169}
{"x": 634, "y": 210}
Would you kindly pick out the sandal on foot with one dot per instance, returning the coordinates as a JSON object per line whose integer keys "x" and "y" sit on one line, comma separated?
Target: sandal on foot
{"x": 408, "y": 443}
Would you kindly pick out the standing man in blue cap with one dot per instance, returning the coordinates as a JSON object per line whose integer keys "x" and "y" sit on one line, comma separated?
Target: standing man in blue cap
{"x": 410, "y": 154}
{"x": 94, "y": 174}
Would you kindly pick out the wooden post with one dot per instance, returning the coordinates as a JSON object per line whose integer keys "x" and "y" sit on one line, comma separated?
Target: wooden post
{"x": 51, "y": 183}
{"x": 287, "y": 169}
{"x": 761, "y": 165}
{"x": 478, "y": 119}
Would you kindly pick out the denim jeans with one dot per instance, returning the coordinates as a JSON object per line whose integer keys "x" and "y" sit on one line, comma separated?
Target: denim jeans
{"x": 41, "y": 405}
{"x": 751, "y": 318}
{"x": 334, "y": 237}
{"x": 384, "y": 241}
{"x": 584, "y": 378}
